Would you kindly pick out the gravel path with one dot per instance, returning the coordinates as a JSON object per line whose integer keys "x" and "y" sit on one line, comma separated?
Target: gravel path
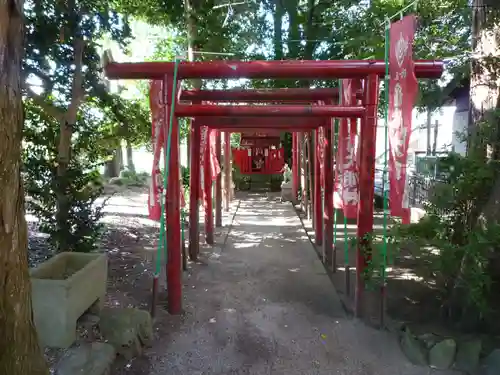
{"x": 261, "y": 303}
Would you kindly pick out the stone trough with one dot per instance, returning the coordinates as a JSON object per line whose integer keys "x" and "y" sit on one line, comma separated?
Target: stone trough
{"x": 63, "y": 288}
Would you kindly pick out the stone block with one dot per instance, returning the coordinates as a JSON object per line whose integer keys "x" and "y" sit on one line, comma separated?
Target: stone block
{"x": 88, "y": 359}
{"x": 442, "y": 355}
{"x": 491, "y": 364}
{"x": 468, "y": 354}
{"x": 63, "y": 288}
{"x": 286, "y": 192}
{"x": 127, "y": 329}
{"x": 413, "y": 348}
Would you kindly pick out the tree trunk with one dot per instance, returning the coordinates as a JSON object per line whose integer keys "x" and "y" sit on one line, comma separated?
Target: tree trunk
{"x": 292, "y": 8}
{"x": 484, "y": 85}
{"x": 130, "y": 158}
{"x": 428, "y": 127}
{"x": 484, "y": 101}
{"x": 119, "y": 158}
{"x": 485, "y": 89}
{"x": 112, "y": 167}
{"x": 278, "y": 32}
{"x": 19, "y": 349}
{"x": 436, "y": 133}
{"x": 68, "y": 122}
{"x": 190, "y": 14}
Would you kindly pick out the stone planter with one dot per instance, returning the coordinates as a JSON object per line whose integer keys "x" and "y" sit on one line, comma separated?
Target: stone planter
{"x": 63, "y": 288}
{"x": 286, "y": 192}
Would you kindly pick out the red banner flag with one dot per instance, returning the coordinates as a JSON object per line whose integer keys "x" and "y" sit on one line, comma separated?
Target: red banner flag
{"x": 214, "y": 161}
{"x": 157, "y": 139}
{"x": 203, "y": 145}
{"x": 320, "y": 152}
{"x": 208, "y": 139}
{"x": 347, "y": 182}
{"x": 403, "y": 89}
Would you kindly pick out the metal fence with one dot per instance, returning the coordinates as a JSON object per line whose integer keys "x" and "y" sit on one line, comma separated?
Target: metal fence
{"x": 420, "y": 188}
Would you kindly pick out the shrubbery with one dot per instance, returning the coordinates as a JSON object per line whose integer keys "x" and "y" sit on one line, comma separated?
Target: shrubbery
{"x": 457, "y": 243}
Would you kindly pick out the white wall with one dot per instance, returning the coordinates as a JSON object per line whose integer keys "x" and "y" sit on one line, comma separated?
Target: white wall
{"x": 447, "y": 126}
{"x": 460, "y": 123}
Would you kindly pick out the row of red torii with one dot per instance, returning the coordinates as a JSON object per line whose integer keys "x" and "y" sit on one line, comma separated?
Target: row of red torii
{"x": 297, "y": 112}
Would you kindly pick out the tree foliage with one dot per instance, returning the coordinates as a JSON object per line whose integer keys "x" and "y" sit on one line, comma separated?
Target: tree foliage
{"x": 73, "y": 122}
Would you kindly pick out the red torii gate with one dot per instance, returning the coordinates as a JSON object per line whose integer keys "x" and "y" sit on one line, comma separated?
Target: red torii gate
{"x": 294, "y": 69}
{"x": 270, "y": 96}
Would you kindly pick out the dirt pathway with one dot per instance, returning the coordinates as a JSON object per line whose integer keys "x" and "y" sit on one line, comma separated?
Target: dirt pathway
{"x": 260, "y": 302}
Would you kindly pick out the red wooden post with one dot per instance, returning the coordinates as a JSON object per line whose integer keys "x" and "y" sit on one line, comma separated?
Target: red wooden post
{"x": 366, "y": 184}
{"x": 218, "y": 184}
{"x": 174, "y": 266}
{"x": 298, "y": 172}
{"x": 328, "y": 210}
{"x": 295, "y": 167}
{"x": 317, "y": 199}
{"x": 194, "y": 192}
{"x": 227, "y": 167}
{"x": 207, "y": 182}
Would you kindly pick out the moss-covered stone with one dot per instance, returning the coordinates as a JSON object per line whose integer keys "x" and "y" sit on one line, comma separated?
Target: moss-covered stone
{"x": 127, "y": 329}
{"x": 442, "y": 355}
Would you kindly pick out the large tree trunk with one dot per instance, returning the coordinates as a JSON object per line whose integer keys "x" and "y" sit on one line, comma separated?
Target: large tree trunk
{"x": 279, "y": 12}
{"x": 193, "y": 43}
{"x": 484, "y": 101}
{"x": 130, "y": 158}
{"x": 68, "y": 122}
{"x": 19, "y": 349}
{"x": 485, "y": 66}
{"x": 113, "y": 166}
{"x": 485, "y": 90}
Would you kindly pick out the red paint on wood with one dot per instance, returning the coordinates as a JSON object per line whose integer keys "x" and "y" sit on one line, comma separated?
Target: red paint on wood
{"x": 174, "y": 266}
{"x": 194, "y": 110}
{"x": 368, "y": 135}
{"x": 295, "y": 166}
{"x": 208, "y": 205}
{"x": 218, "y": 183}
{"x": 227, "y": 167}
{"x": 328, "y": 196}
{"x": 305, "y": 69}
{"x": 257, "y": 124}
{"x": 194, "y": 193}
{"x": 317, "y": 199}
{"x": 265, "y": 95}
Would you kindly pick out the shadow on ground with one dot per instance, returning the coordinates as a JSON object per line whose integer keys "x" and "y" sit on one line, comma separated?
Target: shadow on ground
{"x": 262, "y": 303}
